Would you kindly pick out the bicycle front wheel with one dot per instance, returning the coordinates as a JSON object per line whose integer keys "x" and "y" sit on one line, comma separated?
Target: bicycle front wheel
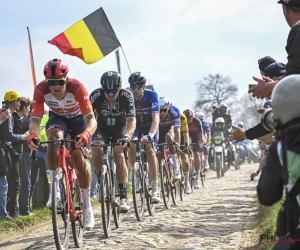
{"x": 150, "y": 205}
{"x": 77, "y": 226}
{"x": 138, "y": 191}
{"x": 118, "y": 217}
{"x": 165, "y": 188}
{"x": 60, "y": 215}
{"x": 181, "y": 184}
{"x": 105, "y": 199}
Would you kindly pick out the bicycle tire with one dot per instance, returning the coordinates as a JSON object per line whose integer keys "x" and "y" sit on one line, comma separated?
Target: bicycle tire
{"x": 138, "y": 192}
{"x": 150, "y": 205}
{"x": 173, "y": 186}
{"x": 77, "y": 228}
{"x": 181, "y": 185}
{"x": 192, "y": 176}
{"x": 118, "y": 217}
{"x": 105, "y": 198}
{"x": 59, "y": 180}
{"x": 165, "y": 188}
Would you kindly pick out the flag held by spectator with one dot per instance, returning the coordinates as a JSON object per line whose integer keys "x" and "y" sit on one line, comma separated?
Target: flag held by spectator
{"x": 90, "y": 39}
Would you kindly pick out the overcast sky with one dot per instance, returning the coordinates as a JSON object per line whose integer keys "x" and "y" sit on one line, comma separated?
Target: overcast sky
{"x": 174, "y": 43}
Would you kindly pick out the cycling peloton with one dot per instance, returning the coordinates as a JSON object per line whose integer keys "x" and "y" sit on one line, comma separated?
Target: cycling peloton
{"x": 115, "y": 123}
{"x": 147, "y": 123}
{"x": 70, "y": 112}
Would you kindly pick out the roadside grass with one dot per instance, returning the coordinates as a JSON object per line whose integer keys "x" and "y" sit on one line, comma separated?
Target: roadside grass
{"x": 266, "y": 223}
{"x": 20, "y": 223}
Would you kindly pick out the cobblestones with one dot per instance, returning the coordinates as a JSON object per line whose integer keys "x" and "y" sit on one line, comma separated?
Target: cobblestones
{"x": 219, "y": 216}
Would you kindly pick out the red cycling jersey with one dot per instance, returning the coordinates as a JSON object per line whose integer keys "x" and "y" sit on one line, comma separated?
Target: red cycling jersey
{"x": 76, "y": 101}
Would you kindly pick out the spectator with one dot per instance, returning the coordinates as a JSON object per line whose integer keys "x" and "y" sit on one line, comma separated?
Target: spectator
{"x": 4, "y": 170}
{"x": 40, "y": 176}
{"x": 7, "y": 136}
{"x": 291, "y": 11}
{"x": 25, "y": 163}
{"x": 265, "y": 62}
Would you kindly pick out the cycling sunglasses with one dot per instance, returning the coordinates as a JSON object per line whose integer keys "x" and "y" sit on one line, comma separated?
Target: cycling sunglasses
{"x": 108, "y": 91}
{"x": 56, "y": 82}
{"x": 163, "y": 110}
{"x": 135, "y": 86}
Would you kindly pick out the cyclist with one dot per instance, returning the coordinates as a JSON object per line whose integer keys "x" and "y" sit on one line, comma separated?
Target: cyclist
{"x": 169, "y": 129}
{"x": 116, "y": 123}
{"x": 70, "y": 112}
{"x": 147, "y": 123}
{"x": 185, "y": 140}
{"x": 196, "y": 134}
{"x": 207, "y": 137}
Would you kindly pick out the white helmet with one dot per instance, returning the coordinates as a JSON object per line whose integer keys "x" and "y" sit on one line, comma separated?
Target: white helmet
{"x": 285, "y": 99}
{"x": 220, "y": 120}
{"x": 163, "y": 102}
{"x": 200, "y": 115}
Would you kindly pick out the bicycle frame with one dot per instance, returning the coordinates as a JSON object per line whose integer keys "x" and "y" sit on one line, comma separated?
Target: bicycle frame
{"x": 108, "y": 161}
{"x": 165, "y": 154}
{"x": 64, "y": 157}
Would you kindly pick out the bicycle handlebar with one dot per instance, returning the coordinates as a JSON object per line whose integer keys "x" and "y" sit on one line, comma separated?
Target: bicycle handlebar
{"x": 57, "y": 142}
{"x": 136, "y": 141}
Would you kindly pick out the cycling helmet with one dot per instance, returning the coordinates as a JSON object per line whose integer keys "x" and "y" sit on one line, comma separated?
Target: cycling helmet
{"x": 240, "y": 124}
{"x": 200, "y": 115}
{"x": 111, "y": 80}
{"x": 220, "y": 122}
{"x": 189, "y": 114}
{"x": 56, "y": 68}
{"x": 163, "y": 102}
{"x": 137, "y": 78}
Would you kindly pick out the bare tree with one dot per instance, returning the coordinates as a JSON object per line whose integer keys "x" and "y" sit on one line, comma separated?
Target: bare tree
{"x": 215, "y": 89}
{"x": 248, "y": 107}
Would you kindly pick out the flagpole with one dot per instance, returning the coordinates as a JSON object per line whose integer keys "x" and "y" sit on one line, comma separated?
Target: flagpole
{"x": 118, "y": 61}
{"x": 126, "y": 59}
{"x": 31, "y": 60}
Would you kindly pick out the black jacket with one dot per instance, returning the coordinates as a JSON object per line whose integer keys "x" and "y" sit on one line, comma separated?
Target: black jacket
{"x": 256, "y": 132}
{"x": 17, "y": 129}
{"x": 270, "y": 185}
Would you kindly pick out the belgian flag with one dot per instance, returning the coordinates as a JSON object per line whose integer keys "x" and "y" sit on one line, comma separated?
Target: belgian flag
{"x": 90, "y": 39}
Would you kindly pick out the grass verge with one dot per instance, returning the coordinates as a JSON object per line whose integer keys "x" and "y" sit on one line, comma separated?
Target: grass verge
{"x": 267, "y": 219}
{"x": 20, "y": 223}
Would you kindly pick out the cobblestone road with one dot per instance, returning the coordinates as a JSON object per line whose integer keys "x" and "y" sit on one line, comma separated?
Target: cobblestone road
{"x": 219, "y": 216}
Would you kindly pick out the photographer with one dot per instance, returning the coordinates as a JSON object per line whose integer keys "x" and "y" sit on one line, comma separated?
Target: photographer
{"x": 282, "y": 171}
{"x": 7, "y": 168}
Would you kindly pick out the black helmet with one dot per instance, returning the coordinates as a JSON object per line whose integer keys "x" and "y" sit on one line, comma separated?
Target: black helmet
{"x": 111, "y": 80}
{"x": 137, "y": 78}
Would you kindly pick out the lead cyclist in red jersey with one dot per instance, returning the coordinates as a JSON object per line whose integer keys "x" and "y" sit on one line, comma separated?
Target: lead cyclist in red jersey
{"x": 70, "y": 113}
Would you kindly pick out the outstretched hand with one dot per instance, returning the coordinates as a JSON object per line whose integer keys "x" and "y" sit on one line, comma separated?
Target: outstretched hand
{"x": 263, "y": 88}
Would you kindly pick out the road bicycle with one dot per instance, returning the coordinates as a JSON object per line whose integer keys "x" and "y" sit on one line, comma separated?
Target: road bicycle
{"x": 67, "y": 210}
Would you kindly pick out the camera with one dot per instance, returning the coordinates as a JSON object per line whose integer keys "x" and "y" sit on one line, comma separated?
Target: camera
{"x": 5, "y": 104}
{"x": 267, "y": 120}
